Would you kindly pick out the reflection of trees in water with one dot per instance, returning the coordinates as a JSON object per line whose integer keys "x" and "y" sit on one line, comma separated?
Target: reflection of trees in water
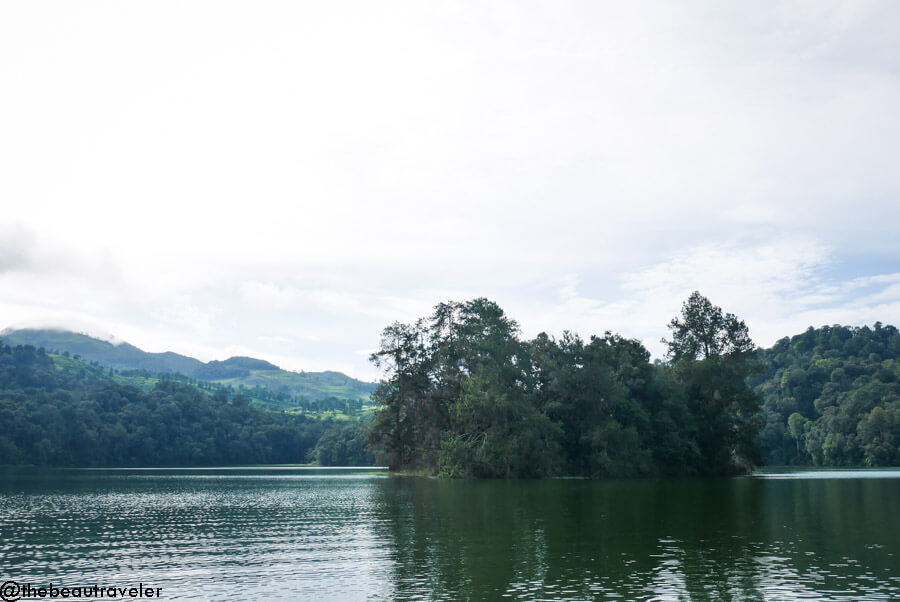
{"x": 692, "y": 538}
{"x": 838, "y": 530}
{"x": 481, "y": 539}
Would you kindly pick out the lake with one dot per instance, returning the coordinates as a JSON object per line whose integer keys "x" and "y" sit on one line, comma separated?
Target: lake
{"x": 273, "y": 533}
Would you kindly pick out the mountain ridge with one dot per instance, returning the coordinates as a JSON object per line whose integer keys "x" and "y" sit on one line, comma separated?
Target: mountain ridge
{"x": 235, "y": 371}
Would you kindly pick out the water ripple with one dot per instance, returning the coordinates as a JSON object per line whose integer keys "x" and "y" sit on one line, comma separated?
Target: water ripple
{"x": 295, "y": 535}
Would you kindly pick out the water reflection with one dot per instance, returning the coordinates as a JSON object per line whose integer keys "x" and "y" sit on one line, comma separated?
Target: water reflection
{"x": 690, "y": 539}
{"x": 311, "y": 535}
{"x": 201, "y": 536}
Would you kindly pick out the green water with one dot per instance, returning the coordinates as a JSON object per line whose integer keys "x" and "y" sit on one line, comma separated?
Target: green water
{"x": 314, "y": 534}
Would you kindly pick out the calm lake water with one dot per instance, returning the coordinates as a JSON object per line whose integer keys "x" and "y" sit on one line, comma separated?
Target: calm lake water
{"x": 265, "y": 534}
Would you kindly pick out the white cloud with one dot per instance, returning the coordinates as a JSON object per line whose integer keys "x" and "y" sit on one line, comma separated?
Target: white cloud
{"x": 217, "y": 174}
{"x": 778, "y": 288}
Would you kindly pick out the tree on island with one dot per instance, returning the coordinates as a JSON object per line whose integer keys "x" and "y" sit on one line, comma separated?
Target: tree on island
{"x": 465, "y": 397}
{"x": 458, "y": 400}
{"x": 712, "y": 355}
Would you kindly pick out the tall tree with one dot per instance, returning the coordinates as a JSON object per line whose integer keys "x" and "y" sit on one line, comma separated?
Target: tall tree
{"x": 705, "y": 332}
{"x": 457, "y": 399}
{"x": 397, "y": 433}
{"x": 713, "y": 355}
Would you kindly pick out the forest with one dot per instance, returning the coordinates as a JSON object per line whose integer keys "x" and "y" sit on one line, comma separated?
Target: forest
{"x": 464, "y": 395}
{"x": 831, "y": 397}
{"x": 73, "y": 413}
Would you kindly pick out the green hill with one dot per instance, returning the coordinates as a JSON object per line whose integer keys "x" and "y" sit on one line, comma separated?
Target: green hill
{"x": 120, "y": 357}
{"x": 62, "y": 411}
{"x": 236, "y": 371}
{"x": 831, "y": 397}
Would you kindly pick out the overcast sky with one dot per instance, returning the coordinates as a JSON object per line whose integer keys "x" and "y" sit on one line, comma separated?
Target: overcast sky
{"x": 285, "y": 179}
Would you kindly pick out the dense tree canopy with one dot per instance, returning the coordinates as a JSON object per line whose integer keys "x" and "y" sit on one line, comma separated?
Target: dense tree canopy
{"x": 77, "y": 415}
{"x": 713, "y": 355}
{"x": 704, "y": 332}
{"x": 832, "y": 397}
{"x": 457, "y": 397}
{"x": 466, "y": 397}
{"x": 344, "y": 445}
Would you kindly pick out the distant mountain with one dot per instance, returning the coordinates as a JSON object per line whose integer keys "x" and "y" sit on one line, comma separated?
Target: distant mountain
{"x": 120, "y": 357}
{"x": 235, "y": 371}
{"x": 233, "y": 367}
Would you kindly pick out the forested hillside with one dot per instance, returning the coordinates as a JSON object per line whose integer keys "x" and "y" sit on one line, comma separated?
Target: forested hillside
{"x": 122, "y": 356}
{"x": 465, "y": 396}
{"x": 831, "y": 397}
{"x": 283, "y": 389}
{"x": 70, "y": 413}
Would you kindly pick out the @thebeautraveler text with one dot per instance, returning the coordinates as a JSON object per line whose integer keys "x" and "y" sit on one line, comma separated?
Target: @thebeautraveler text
{"x": 12, "y": 591}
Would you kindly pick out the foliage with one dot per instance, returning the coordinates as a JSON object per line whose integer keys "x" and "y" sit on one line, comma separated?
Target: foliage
{"x": 832, "y": 397}
{"x": 77, "y": 414}
{"x": 466, "y": 397}
{"x": 458, "y": 400}
{"x": 286, "y": 389}
{"x": 345, "y": 445}
{"x": 712, "y": 355}
{"x": 704, "y": 332}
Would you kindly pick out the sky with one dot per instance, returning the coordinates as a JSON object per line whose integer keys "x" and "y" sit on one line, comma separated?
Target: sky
{"x": 286, "y": 179}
